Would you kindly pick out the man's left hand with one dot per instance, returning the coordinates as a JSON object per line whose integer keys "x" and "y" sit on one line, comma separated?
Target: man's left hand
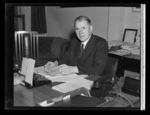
{"x": 65, "y": 69}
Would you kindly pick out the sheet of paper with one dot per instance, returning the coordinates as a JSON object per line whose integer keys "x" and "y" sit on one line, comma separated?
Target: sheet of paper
{"x": 66, "y": 87}
{"x": 73, "y": 85}
{"x": 82, "y": 82}
{"x": 30, "y": 71}
{"x": 24, "y": 65}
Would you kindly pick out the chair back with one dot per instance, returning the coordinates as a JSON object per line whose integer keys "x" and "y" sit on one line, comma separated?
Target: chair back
{"x": 104, "y": 84}
{"x": 110, "y": 69}
{"x": 26, "y": 44}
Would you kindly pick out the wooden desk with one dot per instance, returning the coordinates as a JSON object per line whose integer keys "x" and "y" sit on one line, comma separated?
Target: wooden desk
{"x": 131, "y": 62}
{"x": 24, "y": 97}
{"x": 127, "y": 62}
{"x": 31, "y": 97}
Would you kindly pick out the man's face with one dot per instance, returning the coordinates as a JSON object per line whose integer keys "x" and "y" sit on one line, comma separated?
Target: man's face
{"x": 83, "y": 30}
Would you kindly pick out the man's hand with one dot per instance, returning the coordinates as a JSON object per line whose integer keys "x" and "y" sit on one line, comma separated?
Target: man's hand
{"x": 50, "y": 64}
{"x": 65, "y": 69}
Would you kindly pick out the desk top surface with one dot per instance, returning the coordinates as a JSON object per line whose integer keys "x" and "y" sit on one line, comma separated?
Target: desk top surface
{"x": 30, "y": 97}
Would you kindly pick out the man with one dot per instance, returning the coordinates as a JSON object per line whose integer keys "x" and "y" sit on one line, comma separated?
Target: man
{"x": 91, "y": 59}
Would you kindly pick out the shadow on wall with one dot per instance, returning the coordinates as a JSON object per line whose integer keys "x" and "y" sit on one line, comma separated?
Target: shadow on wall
{"x": 72, "y": 34}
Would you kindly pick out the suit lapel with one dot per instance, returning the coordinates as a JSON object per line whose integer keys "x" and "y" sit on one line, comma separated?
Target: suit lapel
{"x": 75, "y": 50}
{"x": 89, "y": 48}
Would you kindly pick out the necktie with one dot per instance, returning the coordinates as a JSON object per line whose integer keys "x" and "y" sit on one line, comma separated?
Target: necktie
{"x": 81, "y": 50}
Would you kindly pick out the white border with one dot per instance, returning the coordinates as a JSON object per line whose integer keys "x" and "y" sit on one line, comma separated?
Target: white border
{"x": 143, "y": 45}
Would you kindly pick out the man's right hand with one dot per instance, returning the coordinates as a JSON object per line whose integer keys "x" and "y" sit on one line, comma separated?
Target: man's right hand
{"x": 50, "y": 64}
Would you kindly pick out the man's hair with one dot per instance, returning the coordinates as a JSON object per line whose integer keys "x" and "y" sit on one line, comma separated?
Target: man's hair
{"x": 80, "y": 18}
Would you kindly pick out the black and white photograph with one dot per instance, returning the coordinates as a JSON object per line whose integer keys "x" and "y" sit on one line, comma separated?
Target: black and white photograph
{"x": 75, "y": 56}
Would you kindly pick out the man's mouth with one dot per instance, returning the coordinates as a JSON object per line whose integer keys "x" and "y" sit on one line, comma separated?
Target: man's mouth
{"x": 81, "y": 36}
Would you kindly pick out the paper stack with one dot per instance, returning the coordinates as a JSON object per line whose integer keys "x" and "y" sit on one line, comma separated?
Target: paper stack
{"x": 121, "y": 52}
{"x": 73, "y": 85}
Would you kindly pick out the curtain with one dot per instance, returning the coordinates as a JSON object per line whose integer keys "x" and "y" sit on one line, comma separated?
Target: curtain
{"x": 38, "y": 19}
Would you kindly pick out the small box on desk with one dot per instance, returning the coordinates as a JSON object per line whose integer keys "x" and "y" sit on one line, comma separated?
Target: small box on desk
{"x": 38, "y": 81}
{"x": 131, "y": 86}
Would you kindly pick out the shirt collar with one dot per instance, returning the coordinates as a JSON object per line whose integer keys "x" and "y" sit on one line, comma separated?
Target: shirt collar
{"x": 85, "y": 42}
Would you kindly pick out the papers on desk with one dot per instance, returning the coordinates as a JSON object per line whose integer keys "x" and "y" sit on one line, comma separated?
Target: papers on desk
{"x": 127, "y": 48}
{"x": 73, "y": 85}
{"x": 136, "y": 51}
{"x": 72, "y": 81}
{"x": 57, "y": 78}
{"x": 120, "y": 52}
{"x": 115, "y": 43}
{"x": 132, "y": 48}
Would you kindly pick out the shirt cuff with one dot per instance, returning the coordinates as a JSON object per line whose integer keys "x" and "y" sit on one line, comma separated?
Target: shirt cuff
{"x": 75, "y": 69}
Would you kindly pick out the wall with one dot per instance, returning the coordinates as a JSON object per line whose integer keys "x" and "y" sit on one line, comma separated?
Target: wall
{"x": 116, "y": 20}
{"x": 121, "y": 18}
{"x": 108, "y": 22}
{"x": 132, "y": 19}
{"x": 60, "y": 20}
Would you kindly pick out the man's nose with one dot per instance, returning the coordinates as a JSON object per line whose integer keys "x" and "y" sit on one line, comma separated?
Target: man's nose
{"x": 80, "y": 32}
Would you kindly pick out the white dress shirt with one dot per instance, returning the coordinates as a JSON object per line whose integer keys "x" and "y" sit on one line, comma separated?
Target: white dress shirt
{"x": 85, "y": 42}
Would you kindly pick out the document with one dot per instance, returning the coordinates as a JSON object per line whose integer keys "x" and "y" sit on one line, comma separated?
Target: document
{"x": 73, "y": 85}
{"x": 24, "y": 65}
{"x": 30, "y": 70}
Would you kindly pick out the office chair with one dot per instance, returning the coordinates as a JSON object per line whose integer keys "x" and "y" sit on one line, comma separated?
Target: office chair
{"x": 26, "y": 44}
{"x": 103, "y": 84}
{"x": 110, "y": 70}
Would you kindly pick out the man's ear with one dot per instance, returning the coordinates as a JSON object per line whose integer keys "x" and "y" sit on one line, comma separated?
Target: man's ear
{"x": 91, "y": 28}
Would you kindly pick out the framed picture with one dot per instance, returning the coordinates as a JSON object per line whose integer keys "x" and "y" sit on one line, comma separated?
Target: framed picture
{"x": 129, "y": 35}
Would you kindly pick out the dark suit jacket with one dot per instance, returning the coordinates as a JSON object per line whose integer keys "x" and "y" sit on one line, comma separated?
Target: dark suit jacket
{"x": 93, "y": 59}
